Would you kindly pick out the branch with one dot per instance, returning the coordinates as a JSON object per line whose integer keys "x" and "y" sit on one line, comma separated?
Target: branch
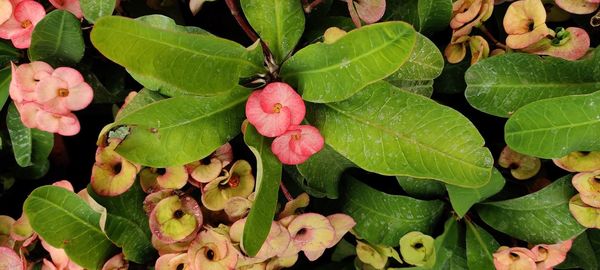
{"x": 489, "y": 35}
{"x": 232, "y": 5}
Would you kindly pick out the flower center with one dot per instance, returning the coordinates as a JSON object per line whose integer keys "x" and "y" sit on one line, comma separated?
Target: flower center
{"x": 62, "y": 92}
{"x": 296, "y": 136}
{"x": 234, "y": 181}
{"x": 277, "y": 107}
{"x": 209, "y": 253}
{"x": 26, "y": 23}
{"x": 178, "y": 214}
{"x": 117, "y": 168}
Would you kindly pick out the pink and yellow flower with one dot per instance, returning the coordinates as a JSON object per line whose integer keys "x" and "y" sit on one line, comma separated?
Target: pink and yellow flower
{"x": 297, "y": 144}
{"x": 19, "y": 26}
{"x": 72, "y": 6}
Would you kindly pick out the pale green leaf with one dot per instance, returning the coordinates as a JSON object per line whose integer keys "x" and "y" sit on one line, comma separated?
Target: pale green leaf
{"x": 423, "y": 88}
{"x": 555, "y": 127}
{"x": 463, "y": 198}
{"x": 166, "y": 23}
{"x": 481, "y": 246}
{"x": 5, "y": 77}
{"x": 333, "y": 72}
{"x": 322, "y": 180}
{"x": 502, "y": 84}
{"x": 30, "y": 146}
{"x": 383, "y": 218}
{"x": 143, "y": 98}
{"x": 268, "y": 177}
{"x": 392, "y": 132}
{"x": 57, "y": 39}
{"x": 183, "y": 129}
{"x": 421, "y": 188}
{"x": 96, "y": 9}
{"x": 174, "y": 62}
{"x": 541, "y": 217}
{"x": 65, "y": 221}
{"x": 425, "y": 62}
{"x": 126, "y": 223}
{"x": 427, "y": 16}
{"x": 279, "y": 23}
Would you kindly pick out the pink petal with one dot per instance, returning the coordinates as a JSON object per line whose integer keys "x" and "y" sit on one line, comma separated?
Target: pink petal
{"x": 267, "y": 124}
{"x": 64, "y": 184}
{"x": 22, "y": 40}
{"x": 47, "y": 89}
{"x": 71, "y": 76}
{"x": 29, "y": 112}
{"x": 10, "y": 28}
{"x": 309, "y": 143}
{"x": 29, "y": 10}
{"x": 285, "y": 95}
{"x": 79, "y": 97}
{"x": 9, "y": 259}
{"x": 6, "y": 10}
{"x": 69, "y": 125}
{"x": 58, "y": 255}
{"x": 25, "y": 78}
{"x": 47, "y": 121}
{"x": 72, "y": 6}
{"x": 370, "y": 11}
{"x": 342, "y": 224}
{"x": 281, "y": 148}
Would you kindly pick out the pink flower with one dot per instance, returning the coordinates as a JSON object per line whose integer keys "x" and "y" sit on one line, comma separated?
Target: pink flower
{"x": 64, "y": 91}
{"x": 25, "y": 79}
{"x": 548, "y": 256}
{"x": 33, "y": 116}
{"x": 59, "y": 257}
{"x": 274, "y": 109}
{"x": 506, "y": 258}
{"x": 19, "y": 26}
{"x": 68, "y": 5}
{"x": 9, "y": 259}
{"x": 297, "y": 144}
{"x": 6, "y": 10}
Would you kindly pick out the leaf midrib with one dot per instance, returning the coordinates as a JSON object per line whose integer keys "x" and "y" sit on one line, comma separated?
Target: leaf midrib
{"x": 534, "y": 85}
{"x": 416, "y": 220}
{"x": 557, "y": 128}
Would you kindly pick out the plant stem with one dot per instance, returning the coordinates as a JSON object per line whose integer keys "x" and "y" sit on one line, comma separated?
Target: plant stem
{"x": 232, "y": 5}
{"x": 308, "y": 8}
{"x": 489, "y": 35}
{"x": 285, "y": 192}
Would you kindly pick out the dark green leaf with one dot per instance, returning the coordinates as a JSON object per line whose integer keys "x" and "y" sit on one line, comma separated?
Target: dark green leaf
{"x": 8, "y": 53}
{"x": 95, "y": 9}
{"x": 427, "y": 16}
{"x": 5, "y": 77}
{"x": 30, "y": 146}
{"x": 480, "y": 247}
{"x": 581, "y": 255}
{"x": 449, "y": 247}
{"x": 57, "y": 39}
{"x": 421, "y": 188}
{"x": 463, "y": 198}
{"x": 320, "y": 179}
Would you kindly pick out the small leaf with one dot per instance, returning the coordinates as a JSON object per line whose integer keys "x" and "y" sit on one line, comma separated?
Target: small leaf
{"x": 324, "y": 180}
{"x": 553, "y": 128}
{"x": 268, "y": 176}
{"x": 421, "y": 188}
{"x": 392, "y": 132}
{"x": 427, "y": 16}
{"x": 480, "y": 247}
{"x": 384, "y": 218}
{"x": 463, "y": 198}
{"x": 65, "y": 221}
{"x": 57, "y": 39}
{"x": 502, "y": 84}
{"x": 449, "y": 247}
{"x": 30, "y": 146}
{"x": 5, "y": 77}
{"x": 333, "y": 72}
{"x": 95, "y": 9}
{"x": 127, "y": 223}
{"x": 541, "y": 217}
{"x": 183, "y": 129}
{"x": 278, "y": 23}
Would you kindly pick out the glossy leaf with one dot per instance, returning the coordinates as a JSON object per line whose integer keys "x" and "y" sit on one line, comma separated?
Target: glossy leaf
{"x": 421, "y": 188}
{"x": 5, "y": 76}
{"x": 278, "y": 23}
{"x": 392, "y": 132}
{"x": 333, "y": 72}
{"x": 143, "y": 98}
{"x": 320, "y": 180}
{"x": 268, "y": 176}
{"x": 95, "y": 9}
{"x": 166, "y": 23}
{"x": 424, "y": 63}
{"x": 383, "y": 218}
{"x": 463, "y": 198}
{"x": 427, "y": 16}
{"x": 481, "y": 246}
{"x": 57, "y": 39}
{"x": 553, "y": 128}
{"x": 179, "y": 130}
{"x": 423, "y": 88}
{"x": 175, "y": 63}
{"x": 541, "y": 217}
{"x": 449, "y": 247}
{"x": 502, "y": 84}
{"x": 65, "y": 221}
{"x": 126, "y": 223}
{"x": 581, "y": 255}
{"x": 8, "y": 53}
{"x": 30, "y": 146}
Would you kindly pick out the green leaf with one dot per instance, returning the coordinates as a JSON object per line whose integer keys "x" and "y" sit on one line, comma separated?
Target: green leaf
{"x": 179, "y": 130}
{"x": 5, "y": 77}
{"x": 383, "y": 218}
{"x": 502, "y": 84}
{"x": 142, "y": 99}
{"x": 423, "y": 88}
{"x": 278, "y": 23}
{"x": 449, "y": 247}
{"x": 316, "y": 28}
{"x": 320, "y": 179}
{"x": 126, "y": 223}
{"x": 392, "y": 132}
{"x": 480, "y": 247}
{"x": 463, "y": 198}
{"x": 333, "y": 72}
{"x": 581, "y": 255}
{"x": 427, "y": 16}
{"x": 541, "y": 217}
{"x": 8, "y": 53}
{"x": 268, "y": 176}
{"x": 452, "y": 79}
{"x": 57, "y": 39}
{"x": 421, "y": 188}
{"x": 424, "y": 63}
{"x": 95, "y": 9}
{"x": 555, "y": 127}
{"x": 176, "y": 63}
{"x": 65, "y": 221}
{"x": 33, "y": 172}
{"x": 166, "y": 23}
{"x": 30, "y": 146}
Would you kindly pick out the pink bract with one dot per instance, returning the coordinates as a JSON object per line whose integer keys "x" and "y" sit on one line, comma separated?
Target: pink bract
{"x": 273, "y": 109}
{"x": 33, "y": 116}
{"x": 297, "y": 144}
{"x": 548, "y": 256}
{"x": 506, "y": 258}
{"x": 25, "y": 78}
{"x": 9, "y": 259}
{"x": 64, "y": 91}
{"x": 72, "y": 6}
{"x": 19, "y": 26}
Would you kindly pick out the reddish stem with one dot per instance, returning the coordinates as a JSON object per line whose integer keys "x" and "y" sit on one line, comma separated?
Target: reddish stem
{"x": 285, "y": 192}
{"x": 308, "y": 8}
{"x": 489, "y": 35}
{"x": 243, "y": 24}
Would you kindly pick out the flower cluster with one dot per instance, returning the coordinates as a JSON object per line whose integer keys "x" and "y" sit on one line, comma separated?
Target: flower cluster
{"x": 18, "y": 18}
{"x": 278, "y": 111}
{"x": 45, "y": 97}
{"x": 521, "y": 166}
{"x": 539, "y": 257}
{"x": 416, "y": 249}
{"x": 467, "y": 14}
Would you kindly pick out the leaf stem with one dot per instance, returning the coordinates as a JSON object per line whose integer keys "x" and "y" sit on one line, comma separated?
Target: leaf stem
{"x": 489, "y": 35}
{"x": 309, "y": 7}
{"x": 232, "y": 5}
{"x": 285, "y": 192}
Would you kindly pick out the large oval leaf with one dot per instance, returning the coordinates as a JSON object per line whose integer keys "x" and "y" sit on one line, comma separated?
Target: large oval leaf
{"x": 268, "y": 176}
{"x": 383, "y": 218}
{"x": 450, "y": 248}
{"x": 57, "y": 39}
{"x": 333, "y": 72}
{"x": 180, "y": 130}
{"x": 552, "y": 128}
{"x": 65, "y": 221}
{"x": 541, "y": 217}
{"x": 95, "y": 9}
{"x": 30, "y": 146}
{"x": 424, "y": 63}
{"x": 502, "y": 84}
{"x": 320, "y": 181}
{"x": 278, "y": 23}
{"x": 463, "y": 198}
{"x": 392, "y": 132}
{"x": 173, "y": 62}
